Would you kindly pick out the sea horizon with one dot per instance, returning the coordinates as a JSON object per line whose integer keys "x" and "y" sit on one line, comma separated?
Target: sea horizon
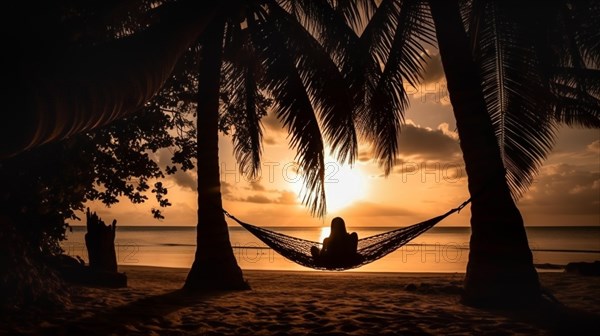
{"x": 325, "y": 224}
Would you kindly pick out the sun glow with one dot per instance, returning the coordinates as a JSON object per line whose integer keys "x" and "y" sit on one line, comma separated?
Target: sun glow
{"x": 343, "y": 186}
{"x": 325, "y": 231}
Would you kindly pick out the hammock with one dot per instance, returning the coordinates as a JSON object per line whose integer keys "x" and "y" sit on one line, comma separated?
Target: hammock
{"x": 369, "y": 248}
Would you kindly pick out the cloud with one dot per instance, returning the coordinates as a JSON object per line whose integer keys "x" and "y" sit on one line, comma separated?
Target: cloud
{"x": 287, "y": 197}
{"x": 280, "y": 197}
{"x": 270, "y": 141}
{"x": 256, "y": 186}
{"x": 185, "y": 180}
{"x": 445, "y": 129}
{"x": 564, "y": 189}
{"x": 257, "y": 199}
{"x": 275, "y": 132}
{"x": 427, "y": 144}
{"x": 163, "y": 157}
{"x": 271, "y": 122}
{"x": 594, "y": 147}
{"x": 277, "y": 216}
{"x": 427, "y": 150}
{"x": 434, "y": 70}
{"x": 418, "y": 144}
{"x": 369, "y": 209}
{"x": 227, "y": 190}
{"x": 364, "y": 156}
{"x": 583, "y": 141}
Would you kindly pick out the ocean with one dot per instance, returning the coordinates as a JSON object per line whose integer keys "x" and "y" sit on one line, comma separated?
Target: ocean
{"x": 441, "y": 249}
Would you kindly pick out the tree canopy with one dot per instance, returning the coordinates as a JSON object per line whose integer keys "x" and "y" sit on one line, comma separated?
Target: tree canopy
{"x": 47, "y": 185}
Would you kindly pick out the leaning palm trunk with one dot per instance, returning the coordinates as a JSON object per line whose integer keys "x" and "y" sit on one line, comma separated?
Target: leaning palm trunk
{"x": 74, "y": 93}
{"x": 500, "y": 269}
{"x": 215, "y": 266}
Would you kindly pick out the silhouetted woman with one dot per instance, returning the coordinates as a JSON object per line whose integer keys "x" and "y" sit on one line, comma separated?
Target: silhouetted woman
{"x": 339, "y": 248}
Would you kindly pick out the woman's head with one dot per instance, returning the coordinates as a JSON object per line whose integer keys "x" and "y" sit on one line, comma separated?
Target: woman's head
{"x": 338, "y": 226}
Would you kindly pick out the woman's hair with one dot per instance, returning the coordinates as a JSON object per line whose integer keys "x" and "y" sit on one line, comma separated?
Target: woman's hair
{"x": 338, "y": 226}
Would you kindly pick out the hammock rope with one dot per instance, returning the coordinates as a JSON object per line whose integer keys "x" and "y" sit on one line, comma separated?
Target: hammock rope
{"x": 369, "y": 248}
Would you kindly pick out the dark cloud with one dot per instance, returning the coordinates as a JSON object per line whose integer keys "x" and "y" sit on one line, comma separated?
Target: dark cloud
{"x": 185, "y": 180}
{"x": 564, "y": 189}
{"x": 275, "y": 132}
{"x": 427, "y": 144}
{"x": 417, "y": 144}
{"x": 271, "y": 122}
{"x": 256, "y": 186}
{"x": 270, "y": 141}
{"x": 164, "y": 158}
{"x": 434, "y": 71}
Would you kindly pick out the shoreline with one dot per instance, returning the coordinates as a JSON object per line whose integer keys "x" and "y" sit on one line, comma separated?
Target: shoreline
{"x": 299, "y": 302}
{"x": 542, "y": 268}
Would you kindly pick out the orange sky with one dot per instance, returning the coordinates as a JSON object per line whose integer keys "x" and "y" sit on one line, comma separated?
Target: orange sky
{"x": 428, "y": 180}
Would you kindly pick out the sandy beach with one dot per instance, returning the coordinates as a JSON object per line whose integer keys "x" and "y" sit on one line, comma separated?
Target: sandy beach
{"x": 308, "y": 303}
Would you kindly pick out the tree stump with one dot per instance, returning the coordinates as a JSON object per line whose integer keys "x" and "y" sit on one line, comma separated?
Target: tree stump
{"x": 100, "y": 242}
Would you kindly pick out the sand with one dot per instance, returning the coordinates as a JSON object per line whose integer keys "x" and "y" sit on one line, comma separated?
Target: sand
{"x": 306, "y": 303}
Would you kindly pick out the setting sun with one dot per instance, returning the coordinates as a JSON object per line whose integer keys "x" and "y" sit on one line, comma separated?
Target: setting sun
{"x": 343, "y": 186}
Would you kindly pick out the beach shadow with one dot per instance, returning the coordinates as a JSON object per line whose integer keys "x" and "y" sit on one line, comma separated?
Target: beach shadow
{"x": 134, "y": 317}
{"x": 554, "y": 317}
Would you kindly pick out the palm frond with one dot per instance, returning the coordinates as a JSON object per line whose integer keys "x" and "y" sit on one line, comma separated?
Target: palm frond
{"x": 379, "y": 33}
{"x": 326, "y": 87}
{"x": 293, "y": 108}
{"x": 241, "y": 97}
{"x": 357, "y": 13}
{"x": 516, "y": 89}
{"x": 584, "y": 16}
{"x": 327, "y": 26}
{"x": 405, "y": 63}
{"x": 574, "y": 76}
{"x": 576, "y": 94}
{"x": 332, "y": 29}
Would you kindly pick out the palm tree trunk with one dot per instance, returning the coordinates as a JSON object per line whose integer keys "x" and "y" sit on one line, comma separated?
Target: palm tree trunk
{"x": 215, "y": 266}
{"x": 68, "y": 92}
{"x": 500, "y": 270}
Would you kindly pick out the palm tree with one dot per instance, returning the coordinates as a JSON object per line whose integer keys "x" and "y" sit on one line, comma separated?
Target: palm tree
{"x": 74, "y": 87}
{"x": 263, "y": 47}
{"x": 513, "y": 75}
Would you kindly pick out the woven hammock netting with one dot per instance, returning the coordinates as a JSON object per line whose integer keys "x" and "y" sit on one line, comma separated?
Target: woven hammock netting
{"x": 369, "y": 249}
